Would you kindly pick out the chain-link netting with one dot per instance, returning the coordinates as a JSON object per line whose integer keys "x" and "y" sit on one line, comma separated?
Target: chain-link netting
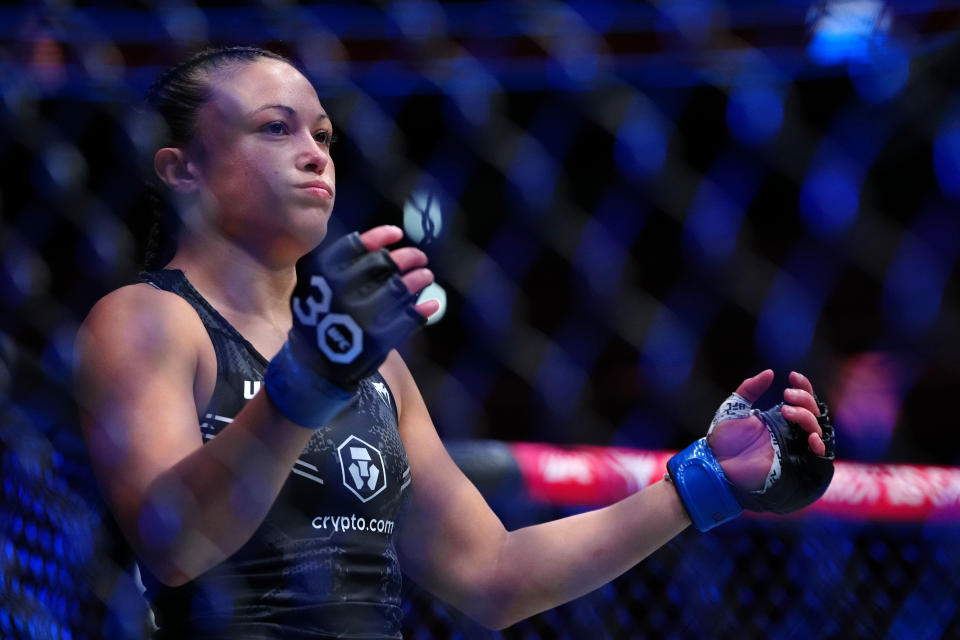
{"x": 814, "y": 579}
{"x": 630, "y": 207}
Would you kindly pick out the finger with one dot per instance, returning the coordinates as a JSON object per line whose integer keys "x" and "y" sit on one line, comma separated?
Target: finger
{"x": 802, "y": 417}
{"x": 801, "y": 398}
{"x": 752, "y": 388}
{"x": 800, "y": 381}
{"x": 408, "y": 258}
{"x": 417, "y": 279}
{"x": 428, "y": 308}
{"x": 381, "y": 236}
{"x": 816, "y": 444}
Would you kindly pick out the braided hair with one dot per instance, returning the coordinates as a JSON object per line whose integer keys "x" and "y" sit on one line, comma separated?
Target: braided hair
{"x": 176, "y": 96}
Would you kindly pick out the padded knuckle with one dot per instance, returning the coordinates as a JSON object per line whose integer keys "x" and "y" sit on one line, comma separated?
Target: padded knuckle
{"x": 357, "y": 320}
{"x": 804, "y": 476}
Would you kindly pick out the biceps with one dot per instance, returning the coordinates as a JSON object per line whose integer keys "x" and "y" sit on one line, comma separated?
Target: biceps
{"x": 139, "y": 419}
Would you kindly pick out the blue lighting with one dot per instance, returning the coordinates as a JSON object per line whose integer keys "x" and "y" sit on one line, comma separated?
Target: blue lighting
{"x": 882, "y": 74}
{"x": 830, "y": 197}
{"x": 600, "y": 259}
{"x": 713, "y": 223}
{"x": 640, "y": 148}
{"x": 668, "y": 352}
{"x": 913, "y": 287}
{"x": 924, "y": 609}
{"x": 560, "y": 380}
{"x": 417, "y": 20}
{"x": 786, "y": 324}
{"x": 946, "y": 158}
{"x": 469, "y": 88}
{"x": 827, "y": 48}
{"x": 369, "y": 127}
{"x": 533, "y": 173}
{"x": 573, "y": 66}
{"x": 754, "y": 113}
{"x": 36, "y": 565}
{"x": 490, "y": 301}
{"x": 689, "y": 16}
{"x": 845, "y": 31}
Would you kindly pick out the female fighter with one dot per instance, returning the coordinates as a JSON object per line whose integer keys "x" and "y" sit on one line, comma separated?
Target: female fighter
{"x": 266, "y": 451}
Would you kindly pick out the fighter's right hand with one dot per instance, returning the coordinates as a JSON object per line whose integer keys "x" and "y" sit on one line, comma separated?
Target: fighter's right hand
{"x": 354, "y": 301}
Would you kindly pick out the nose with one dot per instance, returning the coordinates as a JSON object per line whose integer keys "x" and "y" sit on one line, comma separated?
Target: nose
{"x": 315, "y": 156}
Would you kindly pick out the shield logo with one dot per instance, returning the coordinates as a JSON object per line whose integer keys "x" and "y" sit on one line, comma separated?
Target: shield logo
{"x": 361, "y": 467}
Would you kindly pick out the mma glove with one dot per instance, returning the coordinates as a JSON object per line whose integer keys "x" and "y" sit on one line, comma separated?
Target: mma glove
{"x": 350, "y": 308}
{"x": 797, "y": 477}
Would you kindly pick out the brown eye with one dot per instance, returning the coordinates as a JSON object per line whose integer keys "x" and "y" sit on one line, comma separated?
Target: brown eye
{"x": 326, "y": 138}
{"x": 276, "y": 128}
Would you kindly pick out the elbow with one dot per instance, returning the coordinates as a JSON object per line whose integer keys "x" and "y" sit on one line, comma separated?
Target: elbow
{"x": 164, "y": 572}
{"x": 497, "y": 596}
{"x": 177, "y": 569}
{"x": 495, "y": 620}
{"x": 174, "y": 547}
{"x": 499, "y": 623}
{"x": 180, "y": 559}
{"x": 494, "y": 609}
{"x": 174, "y": 578}
{"x": 491, "y": 619}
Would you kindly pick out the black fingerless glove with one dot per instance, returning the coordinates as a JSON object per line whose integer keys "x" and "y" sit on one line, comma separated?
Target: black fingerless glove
{"x": 803, "y": 476}
{"x": 797, "y": 477}
{"x": 350, "y": 308}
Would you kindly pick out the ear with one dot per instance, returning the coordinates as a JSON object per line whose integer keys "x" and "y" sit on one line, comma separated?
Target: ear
{"x": 175, "y": 170}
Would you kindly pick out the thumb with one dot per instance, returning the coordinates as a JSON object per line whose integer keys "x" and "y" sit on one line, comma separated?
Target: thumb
{"x": 752, "y": 388}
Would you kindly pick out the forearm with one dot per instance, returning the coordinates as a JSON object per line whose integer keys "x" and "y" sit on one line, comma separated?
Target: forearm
{"x": 545, "y": 565}
{"x": 207, "y": 506}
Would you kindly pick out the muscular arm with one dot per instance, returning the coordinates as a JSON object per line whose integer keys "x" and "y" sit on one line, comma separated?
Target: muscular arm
{"x": 142, "y": 355}
{"x": 455, "y": 546}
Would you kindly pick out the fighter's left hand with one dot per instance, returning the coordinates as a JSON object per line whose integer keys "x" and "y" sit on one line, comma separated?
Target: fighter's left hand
{"x": 742, "y": 445}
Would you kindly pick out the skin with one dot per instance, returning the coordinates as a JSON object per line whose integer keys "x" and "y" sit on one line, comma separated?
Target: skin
{"x": 257, "y": 188}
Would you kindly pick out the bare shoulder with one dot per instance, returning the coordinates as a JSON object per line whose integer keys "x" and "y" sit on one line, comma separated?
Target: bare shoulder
{"x": 139, "y": 299}
{"x": 140, "y": 315}
{"x": 138, "y": 330}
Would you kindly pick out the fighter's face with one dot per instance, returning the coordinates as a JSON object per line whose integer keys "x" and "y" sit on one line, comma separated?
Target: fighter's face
{"x": 263, "y": 155}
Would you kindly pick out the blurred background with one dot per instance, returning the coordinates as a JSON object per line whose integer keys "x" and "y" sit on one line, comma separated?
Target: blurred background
{"x": 629, "y": 207}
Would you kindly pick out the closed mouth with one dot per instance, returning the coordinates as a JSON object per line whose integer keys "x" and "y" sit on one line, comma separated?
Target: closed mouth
{"x": 318, "y": 188}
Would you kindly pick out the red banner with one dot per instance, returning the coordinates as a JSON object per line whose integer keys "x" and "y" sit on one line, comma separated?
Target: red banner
{"x": 589, "y": 476}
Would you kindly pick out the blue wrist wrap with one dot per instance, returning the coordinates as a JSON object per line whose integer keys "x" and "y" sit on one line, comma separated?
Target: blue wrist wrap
{"x": 300, "y": 394}
{"x": 703, "y": 486}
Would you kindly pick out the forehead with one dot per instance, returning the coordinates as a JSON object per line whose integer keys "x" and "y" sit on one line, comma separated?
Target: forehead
{"x": 239, "y": 89}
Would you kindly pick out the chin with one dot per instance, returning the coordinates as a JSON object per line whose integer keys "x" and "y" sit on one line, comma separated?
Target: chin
{"x": 309, "y": 236}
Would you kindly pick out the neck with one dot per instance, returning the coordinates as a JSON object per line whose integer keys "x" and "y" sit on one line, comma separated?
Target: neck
{"x": 236, "y": 281}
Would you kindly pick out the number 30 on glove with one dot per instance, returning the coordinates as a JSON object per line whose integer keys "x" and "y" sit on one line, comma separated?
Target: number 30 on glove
{"x": 797, "y": 477}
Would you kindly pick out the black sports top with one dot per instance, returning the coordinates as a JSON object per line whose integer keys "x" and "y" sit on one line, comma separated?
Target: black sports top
{"x": 322, "y": 564}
